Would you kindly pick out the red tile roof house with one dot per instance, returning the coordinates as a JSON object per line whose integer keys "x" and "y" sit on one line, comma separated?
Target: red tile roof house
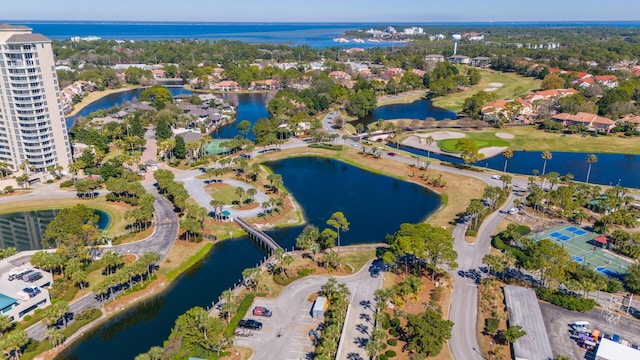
{"x": 339, "y": 75}
{"x": 493, "y": 110}
{"x": 546, "y": 94}
{"x": 609, "y": 81}
{"x": 635, "y": 120}
{"x": 592, "y": 122}
{"x": 226, "y": 85}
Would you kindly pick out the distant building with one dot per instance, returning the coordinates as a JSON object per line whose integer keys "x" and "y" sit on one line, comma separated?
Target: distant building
{"x": 21, "y": 297}
{"x": 592, "y": 122}
{"x": 481, "y": 61}
{"x": 459, "y": 59}
{"x": 434, "y": 58}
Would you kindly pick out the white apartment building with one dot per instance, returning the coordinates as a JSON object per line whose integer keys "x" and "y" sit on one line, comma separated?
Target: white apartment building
{"x": 32, "y": 124}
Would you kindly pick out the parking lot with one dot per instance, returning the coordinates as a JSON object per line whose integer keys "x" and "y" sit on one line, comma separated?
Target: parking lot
{"x": 557, "y": 322}
{"x": 285, "y": 335}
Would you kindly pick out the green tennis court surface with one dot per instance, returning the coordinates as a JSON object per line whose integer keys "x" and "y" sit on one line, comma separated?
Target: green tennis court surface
{"x": 583, "y": 249}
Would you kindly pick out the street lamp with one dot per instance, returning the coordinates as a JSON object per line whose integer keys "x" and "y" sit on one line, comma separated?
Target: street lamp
{"x": 490, "y": 345}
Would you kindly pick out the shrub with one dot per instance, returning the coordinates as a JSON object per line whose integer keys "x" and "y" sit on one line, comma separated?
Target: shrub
{"x": 86, "y": 314}
{"x": 491, "y": 326}
{"x": 27, "y": 318}
{"x": 523, "y": 230}
{"x": 392, "y": 342}
{"x": 390, "y": 353}
{"x": 394, "y": 332}
{"x": 395, "y": 322}
{"x": 471, "y": 232}
{"x": 50, "y": 181}
{"x": 613, "y": 286}
{"x": 383, "y": 357}
{"x": 436, "y": 293}
{"x": 66, "y": 184}
{"x": 568, "y": 302}
{"x": 306, "y": 271}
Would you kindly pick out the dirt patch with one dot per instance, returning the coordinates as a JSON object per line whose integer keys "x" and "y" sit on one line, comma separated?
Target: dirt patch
{"x": 129, "y": 259}
{"x": 502, "y": 135}
{"x": 250, "y": 206}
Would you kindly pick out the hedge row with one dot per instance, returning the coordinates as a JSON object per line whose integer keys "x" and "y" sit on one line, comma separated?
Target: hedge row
{"x": 326, "y": 146}
{"x": 568, "y": 302}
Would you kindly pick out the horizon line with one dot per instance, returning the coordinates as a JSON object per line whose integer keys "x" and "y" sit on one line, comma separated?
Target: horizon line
{"x": 318, "y": 21}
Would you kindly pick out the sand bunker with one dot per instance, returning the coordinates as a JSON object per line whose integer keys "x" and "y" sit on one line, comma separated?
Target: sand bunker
{"x": 496, "y": 84}
{"x": 492, "y": 151}
{"x": 490, "y": 89}
{"x": 504, "y": 135}
{"x": 443, "y": 135}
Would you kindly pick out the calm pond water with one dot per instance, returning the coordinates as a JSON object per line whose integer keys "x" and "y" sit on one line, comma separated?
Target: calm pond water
{"x": 417, "y": 110}
{"x": 118, "y": 98}
{"x": 321, "y": 187}
{"x": 610, "y": 169}
{"x": 24, "y": 230}
{"x": 251, "y": 107}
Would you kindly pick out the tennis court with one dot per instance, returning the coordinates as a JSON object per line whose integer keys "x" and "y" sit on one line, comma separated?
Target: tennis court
{"x": 582, "y": 248}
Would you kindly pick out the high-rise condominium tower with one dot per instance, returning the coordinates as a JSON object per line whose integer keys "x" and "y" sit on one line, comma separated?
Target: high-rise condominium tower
{"x": 32, "y": 124}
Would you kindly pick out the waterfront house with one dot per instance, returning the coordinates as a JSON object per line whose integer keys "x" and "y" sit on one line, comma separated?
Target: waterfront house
{"x": 226, "y": 85}
{"x": 548, "y": 94}
{"x": 632, "y": 120}
{"x": 592, "y": 122}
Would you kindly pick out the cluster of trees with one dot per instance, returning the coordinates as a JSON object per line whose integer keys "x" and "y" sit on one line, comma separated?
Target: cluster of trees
{"x": 337, "y": 295}
{"x": 195, "y": 334}
{"x": 11, "y": 343}
{"x": 473, "y": 105}
{"x": 422, "y": 244}
{"x": 446, "y": 78}
{"x": 6, "y": 252}
{"x": 120, "y": 275}
{"x": 72, "y": 229}
{"x": 102, "y": 77}
{"x": 492, "y": 197}
{"x": 425, "y": 332}
{"x": 315, "y": 241}
{"x": 192, "y": 215}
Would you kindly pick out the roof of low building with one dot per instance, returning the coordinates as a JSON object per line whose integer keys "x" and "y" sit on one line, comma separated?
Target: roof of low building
{"x": 524, "y": 310}
{"x": 610, "y": 350}
{"x": 601, "y": 239}
{"x": 190, "y": 136}
{"x": 22, "y": 38}
{"x": 8, "y": 27}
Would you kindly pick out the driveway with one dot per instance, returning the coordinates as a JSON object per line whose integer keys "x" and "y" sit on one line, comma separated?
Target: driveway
{"x": 286, "y": 334}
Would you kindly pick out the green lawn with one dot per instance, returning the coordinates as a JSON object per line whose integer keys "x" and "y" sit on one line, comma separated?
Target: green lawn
{"x": 511, "y": 83}
{"x": 482, "y": 139}
{"x": 357, "y": 259}
{"x": 223, "y": 192}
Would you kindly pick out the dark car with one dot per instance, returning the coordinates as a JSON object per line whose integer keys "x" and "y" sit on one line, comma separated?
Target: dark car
{"x": 250, "y": 324}
{"x": 33, "y": 277}
{"x": 375, "y": 271}
{"x": 391, "y": 154}
{"x": 261, "y": 311}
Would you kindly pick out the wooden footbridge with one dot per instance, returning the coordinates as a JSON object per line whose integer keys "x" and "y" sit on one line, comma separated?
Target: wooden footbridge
{"x": 258, "y": 235}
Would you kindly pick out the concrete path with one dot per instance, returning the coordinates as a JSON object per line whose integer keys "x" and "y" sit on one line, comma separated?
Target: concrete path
{"x": 196, "y": 190}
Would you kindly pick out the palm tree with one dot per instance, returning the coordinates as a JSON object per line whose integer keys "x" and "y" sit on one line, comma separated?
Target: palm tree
{"x": 429, "y": 140}
{"x": 508, "y": 154}
{"x": 546, "y": 155}
{"x": 590, "y": 160}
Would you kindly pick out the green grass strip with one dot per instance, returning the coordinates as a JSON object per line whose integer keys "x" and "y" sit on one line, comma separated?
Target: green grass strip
{"x": 173, "y": 274}
{"x": 244, "y": 306}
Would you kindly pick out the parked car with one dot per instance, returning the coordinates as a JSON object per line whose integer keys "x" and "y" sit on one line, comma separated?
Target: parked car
{"x": 23, "y": 275}
{"x": 391, "y": 154}
{"x": 32, "y": 277}
{"x": 375, "y": 271}
{"x": 250, "y": 324}
{"x": 261, "y": 311}
{"x": 513, "y": 211}
{"x": 495, "y": 177}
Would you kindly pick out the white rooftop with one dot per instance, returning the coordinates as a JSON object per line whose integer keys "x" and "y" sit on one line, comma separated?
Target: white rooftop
{"x": 609, "y": 350}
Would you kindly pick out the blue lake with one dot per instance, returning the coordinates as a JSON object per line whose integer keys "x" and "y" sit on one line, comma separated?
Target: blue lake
{"x": 118, "y": 99}
{"x": 251, "y": 107}
{"x": 417, "y": 110}
{"x": 375, "y": 205}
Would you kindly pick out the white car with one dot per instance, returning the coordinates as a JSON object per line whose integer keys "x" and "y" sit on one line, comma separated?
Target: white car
{"x": 495, "y": 177}
{"x": 513, "y": 211}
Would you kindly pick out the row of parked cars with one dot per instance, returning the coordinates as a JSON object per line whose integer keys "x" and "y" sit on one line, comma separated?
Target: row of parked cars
{"x": 251, "y": 324}
{"x": 26, "y": 275}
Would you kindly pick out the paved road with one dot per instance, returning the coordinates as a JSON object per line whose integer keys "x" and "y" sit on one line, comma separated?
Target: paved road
{"x": 166, "y": 232}
{"x": 285, "y": 334}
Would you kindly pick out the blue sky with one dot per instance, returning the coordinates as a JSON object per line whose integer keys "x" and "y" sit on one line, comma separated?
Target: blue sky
{"x": 322, "y": 10}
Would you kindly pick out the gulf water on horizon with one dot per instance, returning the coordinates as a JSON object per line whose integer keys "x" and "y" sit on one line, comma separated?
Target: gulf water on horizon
{"x": 317, "y": 35}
